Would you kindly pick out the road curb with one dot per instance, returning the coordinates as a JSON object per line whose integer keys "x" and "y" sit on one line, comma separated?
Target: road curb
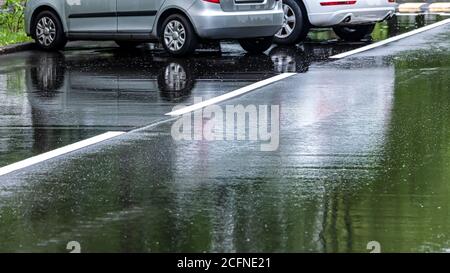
{"x": 439, "y": 7}
{"x": 413, "y": 7}
{"x": 16, "y": 48}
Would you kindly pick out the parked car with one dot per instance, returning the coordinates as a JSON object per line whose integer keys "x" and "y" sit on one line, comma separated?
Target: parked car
{"x": 351, "y": 20}
{"x": 179, "y": 25}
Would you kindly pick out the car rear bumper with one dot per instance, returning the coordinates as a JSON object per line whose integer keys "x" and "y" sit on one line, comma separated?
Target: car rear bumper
{"x": 352, "y": 16}
{"x": 211, "y": 22}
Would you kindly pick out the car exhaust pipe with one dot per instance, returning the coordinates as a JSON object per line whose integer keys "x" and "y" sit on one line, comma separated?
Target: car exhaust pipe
{"x": 347, "y": 19}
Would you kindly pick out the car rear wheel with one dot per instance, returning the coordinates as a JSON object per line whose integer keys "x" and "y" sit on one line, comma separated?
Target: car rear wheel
{"x": 295, "y": 26}
{"x": 178, "y": 36}
{"x": 256, "y": 45}
{"x": 48, "y": 31}
{"x": 354, "y": 33}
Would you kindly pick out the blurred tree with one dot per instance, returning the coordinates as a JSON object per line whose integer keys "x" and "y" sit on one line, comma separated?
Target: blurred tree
{"x": 12, "y": 17}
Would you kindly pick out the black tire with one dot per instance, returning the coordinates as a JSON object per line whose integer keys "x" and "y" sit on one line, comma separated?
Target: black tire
{"x": 354, "y": 33}
{"x": 300, "y": 26}
{"x": 256, "y": 45}
{"x": 190, "y": 37}
{"x": 59, "y": 39}
{"x": 128, "y": 44}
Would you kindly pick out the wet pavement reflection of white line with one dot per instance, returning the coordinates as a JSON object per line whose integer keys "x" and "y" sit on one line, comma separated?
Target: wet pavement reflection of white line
{"x": 109, "y": 135}
{"x": 230, "y": 95}
{"x": 58, "y": 152}
{"x": 390, "y": 40}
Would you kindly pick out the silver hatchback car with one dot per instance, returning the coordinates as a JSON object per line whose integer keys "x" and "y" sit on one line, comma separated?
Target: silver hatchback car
{"x": 179, "y": 24}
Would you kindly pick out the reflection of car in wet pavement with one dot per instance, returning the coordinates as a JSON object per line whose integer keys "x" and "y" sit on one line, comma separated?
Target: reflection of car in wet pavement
{"x": 298, "y": 58}
{"x": 120, "y": 72}
{"x": 113, "y": 88}
{"x": 174, "y": 79}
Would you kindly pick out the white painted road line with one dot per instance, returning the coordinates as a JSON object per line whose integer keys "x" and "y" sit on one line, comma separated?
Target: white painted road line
{"x": 58, "y": 152}
{"x": 230, "y": 95}
{"x": 109, "y": 135}
{"x": 390, "y": 40}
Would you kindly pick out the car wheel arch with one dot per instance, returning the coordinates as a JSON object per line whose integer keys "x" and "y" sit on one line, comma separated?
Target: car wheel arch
{"x": 168, "y": 12}
{"x": 306, "y": 9}
{"x": 41, "y": 8}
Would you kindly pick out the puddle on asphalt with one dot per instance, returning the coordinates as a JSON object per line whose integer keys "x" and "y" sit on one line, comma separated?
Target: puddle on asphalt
{"x": 316, "y": 194}
{"x": 155, "y": 195}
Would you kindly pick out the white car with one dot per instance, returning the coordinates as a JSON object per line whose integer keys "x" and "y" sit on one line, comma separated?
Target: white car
{"x": 351, "y": 20}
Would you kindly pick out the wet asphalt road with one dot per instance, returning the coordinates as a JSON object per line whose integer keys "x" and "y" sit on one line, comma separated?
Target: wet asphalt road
{"x": 49, "y": 100}
{"x": 363, "y": 151}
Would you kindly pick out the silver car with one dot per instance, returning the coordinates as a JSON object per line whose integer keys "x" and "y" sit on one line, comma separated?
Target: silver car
{"x": 179, "y": 24}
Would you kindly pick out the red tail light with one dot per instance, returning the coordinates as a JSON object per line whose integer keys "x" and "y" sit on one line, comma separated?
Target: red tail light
{"x": 337, "y": 3}
{"x": 213, "y": 1}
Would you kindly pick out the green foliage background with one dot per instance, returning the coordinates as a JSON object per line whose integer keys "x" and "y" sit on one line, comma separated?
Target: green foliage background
{"x": 12, "y": 22}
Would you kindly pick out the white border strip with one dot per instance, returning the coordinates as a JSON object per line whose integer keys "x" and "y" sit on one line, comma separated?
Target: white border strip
{"x": 58, "y": 152}
{"x": 390, "y": 40}
{"x": 230, "y": 95}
